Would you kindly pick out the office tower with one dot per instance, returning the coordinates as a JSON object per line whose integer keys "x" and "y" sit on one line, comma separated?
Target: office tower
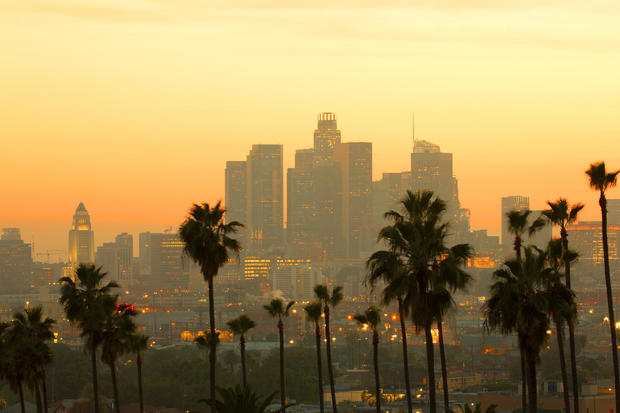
{"x": 586, "y": 238}
{"x": 355, "y": 216}
{"x": 169, "y": 264}
{"x": 326, "y": 137}
{"x": 431, "y": 170}
{"x": 511, "y": 203}
{"x": 293, "y": 277}
{"x": 116, "y": 258}
{"x": 386, "y": 195}
{"x": 301, "y": 205}
{"x": 256, "y": 267}
{"x": 144, "y": 253}
{"x": 15, "y": 264}
{"x": 541, "y": 238}
{"x": 81, "y": 238}
{"x": 265, "y": 197}
{"x": 613, "y": 211}
{"x": 11, "y": 234}
{"x": 235, "y": 191}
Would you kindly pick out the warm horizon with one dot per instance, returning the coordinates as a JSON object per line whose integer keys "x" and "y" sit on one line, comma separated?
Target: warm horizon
{"x": 133, "y": 107}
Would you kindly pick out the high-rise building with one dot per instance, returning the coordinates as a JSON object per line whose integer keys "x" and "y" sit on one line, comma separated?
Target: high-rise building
{"x": 586, "y": 237}
{"x": 355, "y": 204}
{"x": 169, "y": 265}
{"x": 15, "y": 263}
{"x": 387, "y": 193}
{"x": 511, "y": 203}
{"x": 235, "y": 191}
{"x": 301, "y": 204}
{"x": 543, "y": 236}
{"x": 81, "y": 238}
{"x": 11, "y": 234}
{"x": 265, "y": 197}
{"x": 293, "y": 277}
{"x": 116, "y": 258}
{"x": 326, "y": 137}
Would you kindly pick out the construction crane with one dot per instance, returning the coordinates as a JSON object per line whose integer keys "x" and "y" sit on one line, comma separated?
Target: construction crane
{"x": 50, "y": 253}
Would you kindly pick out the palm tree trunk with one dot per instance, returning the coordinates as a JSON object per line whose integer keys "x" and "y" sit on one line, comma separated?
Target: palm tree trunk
{"x": 140, "y": 391}
{"x": 282, "y": 378}
{"x": 212, "y": 345}
{"x": 93, "y": 362}
{"x": 523, "y": 376}
{"x": 571, "y": 329}
{"x": 403, "y": 330}
{"x": 317, "y": 333}
{"x": 330, "y": 369}
{"x": 531, "y": 382}
{"x": 610, "y": 302}
{"x": 44, "y": 390}
{"x": 21, "y": 396}
{"x": 375, "y": 353}
{"x": 430, "y": 363}
{"x": 565, "y": 391}
{"x": 37, "y": 393}
{"x": 117, "y": 405}
{"x": 444, "y": 370}
{"x": 244, "y": 378}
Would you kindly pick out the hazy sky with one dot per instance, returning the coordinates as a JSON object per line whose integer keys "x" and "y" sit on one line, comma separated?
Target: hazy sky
{"x": 133, "y": 106}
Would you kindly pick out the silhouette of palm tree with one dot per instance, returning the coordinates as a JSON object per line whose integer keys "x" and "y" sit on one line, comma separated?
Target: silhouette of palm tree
{"x": 278, "y": 310}
{"x": 371, "y": 318}
{"x": 314, "y": 311}
{"x": 239, "y": 327}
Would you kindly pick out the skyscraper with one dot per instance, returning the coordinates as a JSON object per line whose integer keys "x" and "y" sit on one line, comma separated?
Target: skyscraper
{"x": 116, "y": 258}
{"x": 355, "y": 204}
{"x": 11, "y": 234}
{"x": 168, "y": 262}
{"x": 301, "y": 204}
{"x": 386, "y": 193}
{"x": 235, "y": 192}
{"x": 265, "y": 197}
{"x": 15, "y": 263}
{"x": 81, "y": 238}
{"x": 511, "y": 203}
{"x": 326, "y": 137}
{"x": 586, "y": 237}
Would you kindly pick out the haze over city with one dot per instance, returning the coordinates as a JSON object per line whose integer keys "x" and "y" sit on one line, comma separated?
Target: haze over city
{"x": 133, "y": 107}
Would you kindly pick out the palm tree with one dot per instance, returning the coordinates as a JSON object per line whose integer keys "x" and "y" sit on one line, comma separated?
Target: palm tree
{"x": 562, "y": 305}
{"x": 519, "y": 225}
{"x": 313, "y": 313}
{"x": 82, "y": 302}
{"x": 418, "y": 237}
{"x": 329, "y": 301}
{"x": 37, "y": 332}
{"x": 239, "y": 327}
{"x": 519, "y": 303}
{"x": 277, "y": 309}
{"x": 118, "y": 327}
{"x": 208, "y": 242}
{"x": 138, "y": 343}
{"x": 387, "y": 266}
{"x": 561, "y": 214}
{"x": 371, "y": 318}
{"x": 238, "y": 399}
{"x": 601, "y": 180}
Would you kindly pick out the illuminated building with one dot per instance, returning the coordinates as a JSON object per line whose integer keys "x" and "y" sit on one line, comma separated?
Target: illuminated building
{"x": 355, "y": 203}
{"x": 265, "y": 197}
{"x": 256, "y": 267}
{"x": 301, "y": 205}
{"x": 326, "y": 137}
{"x": 81, "y": 238}
{"x": 235, "y": 191}
{"x": 15, "y": 263}
{"x": 169, "y": 264}
{"x": 586, "y": 238}
{"x": 116, "y": 258}
{"x": 294, "y": 277}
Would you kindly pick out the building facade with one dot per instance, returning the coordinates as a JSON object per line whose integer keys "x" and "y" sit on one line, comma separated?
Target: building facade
{"x": 81, "y": 238}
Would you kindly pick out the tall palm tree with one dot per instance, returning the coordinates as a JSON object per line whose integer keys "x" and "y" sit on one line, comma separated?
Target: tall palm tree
{"x": 329, "y": 301}
{"x": 278, "y": 310}
{"x": 561, "y": 214}
{"x": 138, "y": 343}
{"x": 118, "y": 327}
{"x": 37, "y": 331}
{"x": 314, "y": 311}
{"x": 519, "y": 303}
{"x": 371, "y": 318}
{"x": 388, "y": 267}
{"x": 82, "y": 300}
{"x": 209, "y": 243}
{"x": 418, "y": 236}
{"x": 237, "y": 399}
{"x": 563, "y": 307}
{"x": 239, "y": 327}
{"x": 519, "y": 225}
{"x": 601, "y": 180}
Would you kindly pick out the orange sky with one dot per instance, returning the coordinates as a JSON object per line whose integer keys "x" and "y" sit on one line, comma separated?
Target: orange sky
{"x": 133, "y": 106}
